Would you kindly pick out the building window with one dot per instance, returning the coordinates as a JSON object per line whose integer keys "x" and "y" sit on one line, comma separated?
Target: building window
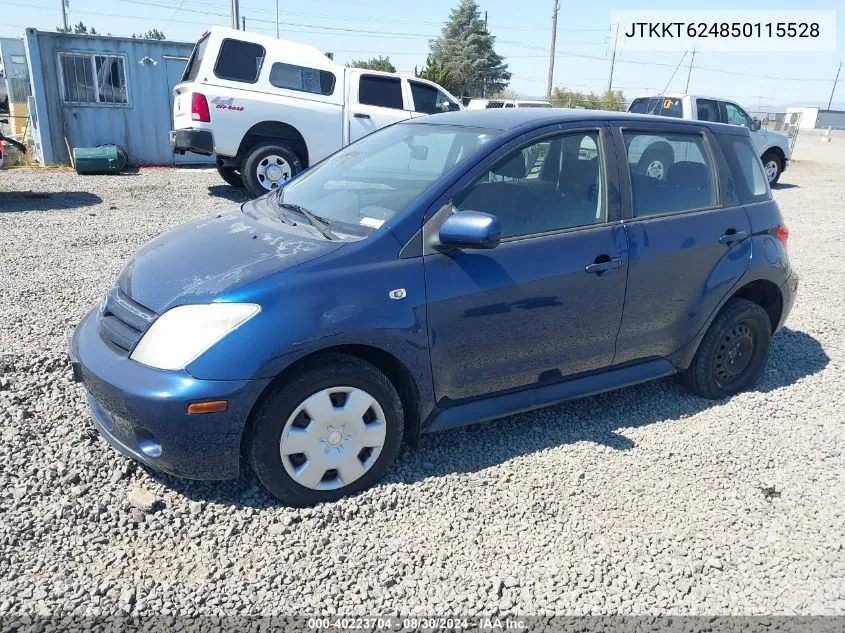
{"x": 93, "y": 79}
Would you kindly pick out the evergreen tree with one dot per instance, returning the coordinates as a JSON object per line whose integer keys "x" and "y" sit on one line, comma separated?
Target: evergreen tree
{"x": 465, "y": 50}
{"x": 376, "y": 63}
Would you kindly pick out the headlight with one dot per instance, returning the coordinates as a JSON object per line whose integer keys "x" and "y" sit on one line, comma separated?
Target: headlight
{"x": 183, "y": 333}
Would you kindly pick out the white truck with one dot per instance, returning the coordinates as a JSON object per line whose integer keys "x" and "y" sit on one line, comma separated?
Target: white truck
{"x": 487, "y": 104}
{"x": 268, "y": 108}
{"x": 774, "y": 148}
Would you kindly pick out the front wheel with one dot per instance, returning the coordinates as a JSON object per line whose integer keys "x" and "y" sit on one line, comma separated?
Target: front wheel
{"x": 269, "y": 166}
{"x": 732, "y": 354}
{"x": 332, "y": 430}
{"x": 773, "y": 166}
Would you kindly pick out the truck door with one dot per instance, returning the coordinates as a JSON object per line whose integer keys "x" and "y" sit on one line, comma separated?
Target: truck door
{"x": 375, "y": 101}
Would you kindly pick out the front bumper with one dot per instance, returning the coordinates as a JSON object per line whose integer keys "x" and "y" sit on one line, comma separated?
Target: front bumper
{"x": 142, "y": 411}
{"x": 191, "y": 140}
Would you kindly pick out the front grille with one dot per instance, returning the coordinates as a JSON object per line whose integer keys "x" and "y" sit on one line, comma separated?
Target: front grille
{"x": 122, "y": 321}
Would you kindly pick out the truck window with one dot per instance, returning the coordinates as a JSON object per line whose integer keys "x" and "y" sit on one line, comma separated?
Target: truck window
{"x": 239, "y": 61}
{"x": 735, "y": 115}
{"x": 429, "y": 99}
{"x": 663, "y": 106}
{"x": 300, "y": 78}
{"x": 384, "y": 92}
{"x": 193, "y": 67}
{"x": 708, "y": 110}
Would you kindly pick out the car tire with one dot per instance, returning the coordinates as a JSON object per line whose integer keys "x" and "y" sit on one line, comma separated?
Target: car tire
{"x": 773, "y": 166}
{"x": 733, "y": 352}
{"x": 268, "y": 166}
{"x": 231, "y": 176}
{"x": 307, "y": 412}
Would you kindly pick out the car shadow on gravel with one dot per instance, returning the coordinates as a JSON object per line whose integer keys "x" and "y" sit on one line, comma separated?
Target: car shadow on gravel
{"x": 600, "y": 419}
{"x": 784, "y": 185}
{"x": 18, "y": 201}
{"x": 233, "y": 194}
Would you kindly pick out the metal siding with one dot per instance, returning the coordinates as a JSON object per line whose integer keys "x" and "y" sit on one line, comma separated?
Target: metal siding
{"x": 831, "y": 118}
{"x": 141, "y": 127}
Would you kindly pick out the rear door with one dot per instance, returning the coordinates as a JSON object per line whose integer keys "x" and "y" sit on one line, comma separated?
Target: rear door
{"x": 687, "y": 237}
{"x": 375, "y": 101}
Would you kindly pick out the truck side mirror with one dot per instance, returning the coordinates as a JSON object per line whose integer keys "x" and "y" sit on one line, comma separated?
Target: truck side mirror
{"x": 755, "y": 124}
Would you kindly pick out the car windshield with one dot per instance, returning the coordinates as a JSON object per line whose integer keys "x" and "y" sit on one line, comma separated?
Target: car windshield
{"x": 369, "y": 182}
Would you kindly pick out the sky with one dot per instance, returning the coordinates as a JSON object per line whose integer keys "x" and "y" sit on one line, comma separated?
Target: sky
{"x": 401, "y": 29}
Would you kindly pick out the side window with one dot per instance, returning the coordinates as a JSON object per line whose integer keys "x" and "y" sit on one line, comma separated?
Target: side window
{"x": 708, "y": 110}
{"x": 384, "y": 92}
{"x": 429, "y": 99}
{"x": 552, "y": 184}
{"x": 669, "y": 172}
{"x": 239, "y": 61}
{"x": 300, "y": 78}
{"x": 736, "y": 115}
{"x": 749, "y": 177}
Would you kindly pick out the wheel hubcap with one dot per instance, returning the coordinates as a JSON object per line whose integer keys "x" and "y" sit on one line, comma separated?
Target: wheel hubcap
{"x": 655, "y": 170}
{"x": 734, "y": 354}
{"x": 771, "y": 168}
{"x": 272, "y": 172}
{"x": 332, "y": 438}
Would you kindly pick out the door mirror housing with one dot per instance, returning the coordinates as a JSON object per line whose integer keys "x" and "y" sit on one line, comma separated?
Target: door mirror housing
{"x": 471, "y": 229}
{"x": 755, "y": 124}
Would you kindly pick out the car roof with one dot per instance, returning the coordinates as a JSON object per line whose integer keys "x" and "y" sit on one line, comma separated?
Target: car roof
{"x": 529, "y": 118}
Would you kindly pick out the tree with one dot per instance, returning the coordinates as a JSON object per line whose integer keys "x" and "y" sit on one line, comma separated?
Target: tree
{"x": 503, "y": 94}
{"x": 78, "y": 29}
{"x": 608, "y": 100}
{"x": 376, "y": 63}
{"x": 152, "y": 34}
{"x": 433, "y": 71}
{"x": 465, "y": 50}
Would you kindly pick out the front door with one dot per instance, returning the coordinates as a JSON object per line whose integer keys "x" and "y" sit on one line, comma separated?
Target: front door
{"x": 376, "y": 101}
{"x": 547, "y": 302}
{"x": 685, "y": 249}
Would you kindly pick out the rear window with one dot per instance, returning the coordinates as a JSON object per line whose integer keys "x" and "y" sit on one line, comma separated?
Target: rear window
{"x": 750, "y": 180}
{"x": 663, "y": 106}
{"x": 300, "y": 78}
{"x": 239, "y": 61}
{"x": 385, "y": 92}
{"x": 669, "y": 173}
{"x": 193, "y": 67}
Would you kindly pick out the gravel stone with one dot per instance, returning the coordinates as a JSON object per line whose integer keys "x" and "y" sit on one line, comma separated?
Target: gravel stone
{"x": 675, "y": 482}
{"x": 143, "y": 500}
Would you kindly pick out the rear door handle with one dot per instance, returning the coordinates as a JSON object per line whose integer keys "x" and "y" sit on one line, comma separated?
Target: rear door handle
{"x": 732, "y": 235}
{"x": 361, "y": 115}
{"x": 600, "y": 267}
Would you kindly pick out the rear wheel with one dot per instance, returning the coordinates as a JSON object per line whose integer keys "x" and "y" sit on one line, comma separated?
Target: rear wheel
{"x": 269, "y": 166}
{"x": 331, "y": 431}
{"x": 732, "y": 354}
{"x": 231, "y": 176}
{"x": 773, "y": 165}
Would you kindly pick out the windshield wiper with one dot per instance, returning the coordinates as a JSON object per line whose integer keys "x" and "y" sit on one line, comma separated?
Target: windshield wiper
{"x": 319, "y": 223}
{"x": 283, "y": 217}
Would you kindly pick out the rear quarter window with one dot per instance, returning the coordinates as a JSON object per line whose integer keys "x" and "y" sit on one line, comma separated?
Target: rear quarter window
{"x": 749, "y": 178}
{"x": 239, "y": 61}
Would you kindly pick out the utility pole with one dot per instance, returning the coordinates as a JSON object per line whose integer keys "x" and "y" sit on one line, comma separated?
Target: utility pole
{"x": 832, "y": 90}
{"x": 277, "y": 19}
{"x": 552, "y": 52}
{"x": 236, "y": 14}
{"x": 243, "y": 23}
{"x": 64, "y": 14}
{"x": 689, "y": 72}
{"x": 613, "y": 60}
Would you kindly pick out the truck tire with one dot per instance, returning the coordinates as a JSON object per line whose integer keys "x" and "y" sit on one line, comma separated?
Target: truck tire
{"x": 268, "y": 166}
{"x": 231, "y": 176}
{"x": 773, "y": 166}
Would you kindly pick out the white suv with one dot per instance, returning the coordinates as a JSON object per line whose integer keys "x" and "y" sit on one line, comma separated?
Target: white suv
{"x": 269, "y": 108}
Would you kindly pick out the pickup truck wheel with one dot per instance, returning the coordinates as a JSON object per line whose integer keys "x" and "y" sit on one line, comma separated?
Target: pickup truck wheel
{"x": 231, "y": 176}
{"x": 773, "y": 166}
{"x": 332, "y": 430}
{"x": 267, "y": 167}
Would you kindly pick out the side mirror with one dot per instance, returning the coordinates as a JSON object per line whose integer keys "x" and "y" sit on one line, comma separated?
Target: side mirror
{"x": 755, "y": 125}
{"x": 471, "y": 229}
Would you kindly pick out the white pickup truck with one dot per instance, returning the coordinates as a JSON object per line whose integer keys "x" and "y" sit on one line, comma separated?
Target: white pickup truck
{"x": 268, "y": 108}
{"x": 774, "y": 148}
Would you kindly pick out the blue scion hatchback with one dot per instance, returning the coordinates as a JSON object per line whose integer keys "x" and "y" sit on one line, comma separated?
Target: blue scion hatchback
{"x": 442, "y": 271}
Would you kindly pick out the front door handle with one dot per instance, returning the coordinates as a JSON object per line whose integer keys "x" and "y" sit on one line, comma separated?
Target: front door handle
{"x": 361, "y": 115}
{"x": 732, "y": 235}
{"x": 602, "y": 264}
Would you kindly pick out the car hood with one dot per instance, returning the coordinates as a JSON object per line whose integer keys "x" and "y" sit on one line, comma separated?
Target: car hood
{"x": 198, "y": 261}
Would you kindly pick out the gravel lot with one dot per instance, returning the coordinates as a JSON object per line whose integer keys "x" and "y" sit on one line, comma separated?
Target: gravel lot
{"x": 643, "y": 501}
